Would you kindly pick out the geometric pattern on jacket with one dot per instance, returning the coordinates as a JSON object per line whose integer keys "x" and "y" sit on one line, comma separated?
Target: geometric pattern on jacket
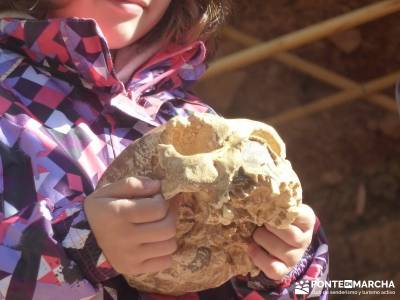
{"x": 64, "y": 117}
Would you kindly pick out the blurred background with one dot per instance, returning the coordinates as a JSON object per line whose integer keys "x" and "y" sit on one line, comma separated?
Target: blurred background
{"x": 348, "y": 156}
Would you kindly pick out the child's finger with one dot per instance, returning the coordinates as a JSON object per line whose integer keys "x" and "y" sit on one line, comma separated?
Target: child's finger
{"x": 154, "y": 264}
{"x": 141, "y": 210}
{"x": 130, "y": 187}
{"x": 276, "y": 247}
{"x": 306, "y": 218}
{"x": 157, "y": 231}
{"x": 272, "y": 267}
{"x": 292, "y": 235}
{"x": 157, "y": 249}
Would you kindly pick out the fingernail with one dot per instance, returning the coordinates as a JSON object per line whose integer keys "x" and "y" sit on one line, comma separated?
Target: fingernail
{"x": 151, "y": 183}
{"x": 160, "y": 197}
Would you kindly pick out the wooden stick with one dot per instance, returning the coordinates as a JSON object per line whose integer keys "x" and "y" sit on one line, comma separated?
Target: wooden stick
{"x": 312, "y": 69}
{"x": 335, "y": 100}
{"x": 303, "y": 36}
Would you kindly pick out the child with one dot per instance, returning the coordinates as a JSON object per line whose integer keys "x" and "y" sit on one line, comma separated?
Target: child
{"x": 80, "y": 80}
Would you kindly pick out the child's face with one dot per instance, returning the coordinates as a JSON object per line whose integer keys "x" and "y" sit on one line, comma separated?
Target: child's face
{"x": 122, "y": 21}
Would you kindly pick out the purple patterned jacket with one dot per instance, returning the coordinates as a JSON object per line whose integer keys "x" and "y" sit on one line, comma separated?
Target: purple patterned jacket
{"x": 64, "y": 116}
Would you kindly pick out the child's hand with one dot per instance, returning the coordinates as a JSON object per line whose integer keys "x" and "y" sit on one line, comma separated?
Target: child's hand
{"x": 133, "y": 225}
{"x": 277, "y": 251}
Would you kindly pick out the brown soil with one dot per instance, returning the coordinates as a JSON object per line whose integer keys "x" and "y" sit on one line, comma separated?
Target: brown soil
{"x": 348, "y": 158}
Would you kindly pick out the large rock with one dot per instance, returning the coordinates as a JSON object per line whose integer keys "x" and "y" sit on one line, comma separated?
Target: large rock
{"x": 231, "y": 176}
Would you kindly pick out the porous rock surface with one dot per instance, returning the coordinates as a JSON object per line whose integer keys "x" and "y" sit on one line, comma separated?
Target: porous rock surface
{"x": 231, "y": 176}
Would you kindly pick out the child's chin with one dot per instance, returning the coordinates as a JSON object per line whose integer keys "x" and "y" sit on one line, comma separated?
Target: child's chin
{"x": 127, "y": 8}
{"x": 118, "y": 40}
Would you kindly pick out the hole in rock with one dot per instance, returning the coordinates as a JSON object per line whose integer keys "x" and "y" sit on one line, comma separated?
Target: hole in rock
{"x": 195, "y": 138}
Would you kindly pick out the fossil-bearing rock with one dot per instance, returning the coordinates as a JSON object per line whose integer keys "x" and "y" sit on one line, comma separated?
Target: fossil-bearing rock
{"x": 231, "y": 175}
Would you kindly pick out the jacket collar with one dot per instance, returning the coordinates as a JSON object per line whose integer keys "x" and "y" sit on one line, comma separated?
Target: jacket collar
{"x": 76, "y": 50}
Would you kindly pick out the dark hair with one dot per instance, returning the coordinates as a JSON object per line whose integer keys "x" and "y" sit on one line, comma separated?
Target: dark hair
{"x": 183, "y": 22}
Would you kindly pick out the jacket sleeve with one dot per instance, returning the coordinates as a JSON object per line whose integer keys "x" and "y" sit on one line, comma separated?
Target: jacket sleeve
{"x": 46, "y": 248}
{"x": 313, "y": 266}
{"x": 78, "y": 241}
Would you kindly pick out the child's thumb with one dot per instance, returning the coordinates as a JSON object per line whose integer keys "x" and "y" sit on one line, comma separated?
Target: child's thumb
{"x": 131, "y": 187}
